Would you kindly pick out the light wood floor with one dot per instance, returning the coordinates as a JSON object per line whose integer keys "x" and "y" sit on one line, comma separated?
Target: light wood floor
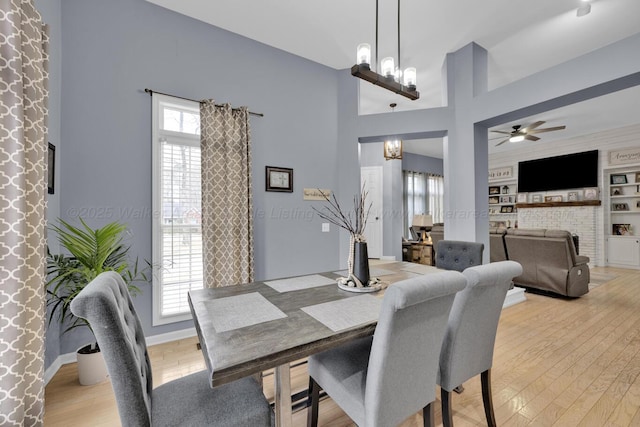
{"x": 557, "y": 362}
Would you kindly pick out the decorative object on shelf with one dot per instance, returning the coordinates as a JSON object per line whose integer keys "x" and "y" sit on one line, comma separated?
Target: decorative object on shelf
{"x": 621, "y": 229}
{"x": 494, "y": 200}
{"x": 506, "y": 209}
{"x": 279, "y": 179}
{"x": 392, "y": 146}
{"x": 556, "y": 198}
{"x": 619, "y": 179}
{"x": 500, "y": 173}
{"x": 616, "y": 191}
{"x": 591, "y": 193}
{"x": 494, "y": 190}
{"x": 536, "y": 198}
{"x": 391, "y": 77}
{"x": 637, "y": 204}
{"x": 522, "y": 197}
{"x": 620, "y": 207}
{"x": 505, "y": 189}
{"x": 572, "y": 196}
{"x": 637, "y": 176}
{"x": 354, "y": 222}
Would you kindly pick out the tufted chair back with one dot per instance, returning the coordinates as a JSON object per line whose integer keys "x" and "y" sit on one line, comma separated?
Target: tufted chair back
{"x": 106, "y": 304}
{"x": 458, "y": 255}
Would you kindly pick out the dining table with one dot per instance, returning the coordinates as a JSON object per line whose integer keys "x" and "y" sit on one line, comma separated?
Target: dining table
{"x": 248, "y": 328}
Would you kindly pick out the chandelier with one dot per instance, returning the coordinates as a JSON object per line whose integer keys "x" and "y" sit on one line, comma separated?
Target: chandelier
{"x": 391, "y": 78}
{"x": 392, "y": 146}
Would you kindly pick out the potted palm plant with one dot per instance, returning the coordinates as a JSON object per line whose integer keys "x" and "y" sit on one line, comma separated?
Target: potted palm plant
{"x": 90, "y": 252}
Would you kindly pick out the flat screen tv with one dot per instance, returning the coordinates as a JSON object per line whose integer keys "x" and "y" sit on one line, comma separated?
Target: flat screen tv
{"x": 559, "y": 173}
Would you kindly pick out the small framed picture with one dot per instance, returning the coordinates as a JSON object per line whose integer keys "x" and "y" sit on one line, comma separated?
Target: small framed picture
{"x": 494, "y": 200}
{"x": 591, "y": 193}
{"x": 620, "y": 207}
{"x": 621, "y": 229}
{"x": 279, "y": 179}
{"x": 51, "y": 169}
{"x": 619, "y": 179}
{"x": 522, "y": 197}
{"x": 536, "y": 198}
{"x": 494, "y": 190}
{"x": 506, "y": 209}
{"x": 505, "y": 199}
{"x": 572, "y": 196}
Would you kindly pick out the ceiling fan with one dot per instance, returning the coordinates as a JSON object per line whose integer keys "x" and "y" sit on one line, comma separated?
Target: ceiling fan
{"x": 520, "y": 134}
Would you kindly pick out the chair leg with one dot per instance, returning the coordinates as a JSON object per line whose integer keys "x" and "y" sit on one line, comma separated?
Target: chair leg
{"x": 447, "y": 415}
{"x": 428, "y": 420}
{"x": 312, "y": 403}
{"x": 485, "y": 378}
{"x": 459, "y": 389}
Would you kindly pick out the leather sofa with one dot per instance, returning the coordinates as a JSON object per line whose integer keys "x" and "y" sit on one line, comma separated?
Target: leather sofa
{"x": 549, "y": 261}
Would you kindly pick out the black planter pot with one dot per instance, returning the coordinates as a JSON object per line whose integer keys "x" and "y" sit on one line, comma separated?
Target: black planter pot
{"x": 361, "y": 262}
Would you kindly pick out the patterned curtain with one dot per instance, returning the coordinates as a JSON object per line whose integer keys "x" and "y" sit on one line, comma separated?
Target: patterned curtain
{"x": 23, "y": 149}
{"x": 227, "y": 222}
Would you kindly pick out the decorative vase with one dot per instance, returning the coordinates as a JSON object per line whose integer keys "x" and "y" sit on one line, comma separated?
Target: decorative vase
{"x": 361, "y": 262}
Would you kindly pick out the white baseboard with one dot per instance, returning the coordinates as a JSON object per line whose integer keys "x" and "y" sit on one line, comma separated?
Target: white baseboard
{"x": 514, "y": 296}
{"x": 67, "y": 358}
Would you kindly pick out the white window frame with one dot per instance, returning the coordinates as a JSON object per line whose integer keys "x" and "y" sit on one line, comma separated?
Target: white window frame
{"x": 157, "y": 134}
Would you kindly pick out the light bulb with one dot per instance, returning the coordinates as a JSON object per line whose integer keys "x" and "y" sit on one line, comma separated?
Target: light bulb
{"x": 516, "y": 138}
{"x": 387, "y": 66}
{"x": 410, "y": 78}
{"x": 363, "y": 54}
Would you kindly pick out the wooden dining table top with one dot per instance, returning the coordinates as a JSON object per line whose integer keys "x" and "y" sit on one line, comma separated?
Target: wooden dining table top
{"x": 289, "y": 333}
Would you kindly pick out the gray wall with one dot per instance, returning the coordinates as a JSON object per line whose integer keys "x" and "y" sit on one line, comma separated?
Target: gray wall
{"x": 112, "y": 51}
{"x": 425, "y": 164}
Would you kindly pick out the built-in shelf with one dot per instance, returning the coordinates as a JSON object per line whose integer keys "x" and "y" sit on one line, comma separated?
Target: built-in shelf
{"x": 558, "y": 204}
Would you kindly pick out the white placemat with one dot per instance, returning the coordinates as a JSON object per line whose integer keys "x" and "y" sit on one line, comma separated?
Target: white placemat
{"x": 240, "y": 311}
{"x": 301, "y": 282}
{"x": 346, "y": 313}
{"x": 373, "y": 272}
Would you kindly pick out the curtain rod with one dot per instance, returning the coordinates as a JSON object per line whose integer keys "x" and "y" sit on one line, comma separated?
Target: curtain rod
{"x": 150, "y": 92}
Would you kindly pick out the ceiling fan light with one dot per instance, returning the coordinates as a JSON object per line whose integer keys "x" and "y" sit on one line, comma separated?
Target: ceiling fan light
{"x": 410, "y": 78}
{"x": 516, "y": 138}
{"x": 387, "y": 67}
{"x": 363, "y": 54}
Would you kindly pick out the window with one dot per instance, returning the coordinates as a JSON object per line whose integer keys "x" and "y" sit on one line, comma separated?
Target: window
{"x": 177, "y": 231}
{"x": 423, "y": 194}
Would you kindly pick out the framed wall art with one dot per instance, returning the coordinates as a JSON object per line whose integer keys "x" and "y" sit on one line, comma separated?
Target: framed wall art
{"x": 279, "y": 179}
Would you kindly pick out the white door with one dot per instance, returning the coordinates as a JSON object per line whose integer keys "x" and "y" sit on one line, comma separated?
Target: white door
{"x": 371, "y": 180}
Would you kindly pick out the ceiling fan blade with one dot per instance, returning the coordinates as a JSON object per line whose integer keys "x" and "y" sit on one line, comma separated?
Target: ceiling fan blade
{"x": 501, "y": 131}
{"x": 532, "y": 126}
{"x": 531, "y": 137}
{"x": 547, "y": 129}
{"x": 502, "y": 142}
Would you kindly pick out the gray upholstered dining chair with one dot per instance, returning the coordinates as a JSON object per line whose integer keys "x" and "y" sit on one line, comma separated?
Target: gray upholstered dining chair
{"x": 381, "y": 380}
{"x": 458, "y": 255}
{"x": 187, "y": 401}
{"x": 467, "y": 348}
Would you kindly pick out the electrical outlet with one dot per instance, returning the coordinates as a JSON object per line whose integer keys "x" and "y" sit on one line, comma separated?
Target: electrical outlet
{"x": 325, "y": 227}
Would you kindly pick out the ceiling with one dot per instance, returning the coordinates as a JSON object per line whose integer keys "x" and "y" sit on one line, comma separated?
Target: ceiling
{"x": 522, "y": 37}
